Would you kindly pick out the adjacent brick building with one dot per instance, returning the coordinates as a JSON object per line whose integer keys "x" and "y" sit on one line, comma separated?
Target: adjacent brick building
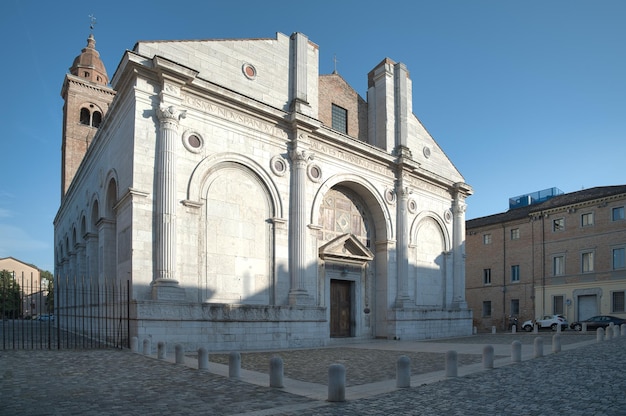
{"x": 550, "y": 253}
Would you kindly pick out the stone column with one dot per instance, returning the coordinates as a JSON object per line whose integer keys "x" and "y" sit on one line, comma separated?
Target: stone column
{"x": 107, "y": 249}
{"x": 92, "y": 258}
{"x": 458, "y": 249}
{"x": 164, "y": 284}
{"x": 402, "y": 248}
{"x": 297, "y": 225}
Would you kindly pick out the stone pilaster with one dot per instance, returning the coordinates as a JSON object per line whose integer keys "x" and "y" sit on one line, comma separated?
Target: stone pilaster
{"x": 92, "y": 258}
{"x": 458, "y": 249}
{"x": 164, "y": 283}
{"x": 402, "y": 241}
{"x": 297, "y": 225}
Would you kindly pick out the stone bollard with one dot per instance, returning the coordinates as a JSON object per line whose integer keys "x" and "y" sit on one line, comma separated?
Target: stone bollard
{"x": 607, "y": 334}
{"x": 535, "y": 329}
{"x": 203, "y": 359}
{"x": 493, "y": 329}
{"x": 146, "y": 347}
{"x": 616, "y": 331}
{"x": 336, "y": 383}
{"x": 488, "y": 356}
{"x": 234, "y": 364}
{"x": 276, "y": 372}
{"x": 452, "y": 364}
{"x": 161, "y": 350}
{"x": 584, "y": 327}
{"x": 623, "y": 330}
{"x": 180, "y": 354}
{"x": 403, "y": 372}
{"x": 556, "y": 343}
{"x": 559, "y": 328}
{"x": 513, "y": 329}
{"x": 134, "y": 344}
{"x": 599, "y": 334}
{"x": 516, "y": 352}
{"x": 538, "y": 347}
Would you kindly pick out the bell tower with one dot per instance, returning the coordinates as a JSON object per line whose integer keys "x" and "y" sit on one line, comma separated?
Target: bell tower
{"x": 87, "y": 97}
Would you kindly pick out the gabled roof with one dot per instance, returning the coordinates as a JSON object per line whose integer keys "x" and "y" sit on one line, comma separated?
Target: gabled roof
{"x": 552, "y": 203}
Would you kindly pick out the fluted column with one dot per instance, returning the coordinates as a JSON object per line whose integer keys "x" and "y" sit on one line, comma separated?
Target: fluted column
{"x": 165, "y": 198}
{"x": 402, "y": 242}
{"x": 92, "y": 258}
{"x": 297, "y": 226}
{"x": 458, "y": 248}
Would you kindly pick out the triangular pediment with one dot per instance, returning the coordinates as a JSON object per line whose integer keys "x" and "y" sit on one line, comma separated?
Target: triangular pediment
{"x": 346, "y": 247}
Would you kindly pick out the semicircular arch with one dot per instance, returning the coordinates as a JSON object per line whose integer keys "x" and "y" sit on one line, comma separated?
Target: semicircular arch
{"x": 198, "y": 181}
{"x": 370, "y": 195}
{"x": 420, "y": 219}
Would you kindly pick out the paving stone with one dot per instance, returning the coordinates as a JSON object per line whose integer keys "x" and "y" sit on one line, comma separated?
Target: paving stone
{"x": 587, "y": 379}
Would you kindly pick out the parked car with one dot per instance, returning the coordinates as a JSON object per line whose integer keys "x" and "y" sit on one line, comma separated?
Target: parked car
{"x": 595, "y": 322}
{"x": 548, "y": 321}
{"x": 46, "y": 317}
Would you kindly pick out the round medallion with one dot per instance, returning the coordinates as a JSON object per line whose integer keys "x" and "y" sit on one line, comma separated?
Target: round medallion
{"x": 249, "y": 71}
{"x": 390, "y": 196}
{"x": 193, "y": 142}
{"x": 278, "y": 165}
{"x": 426, "y": 151}
{"x": 314, "y": 172}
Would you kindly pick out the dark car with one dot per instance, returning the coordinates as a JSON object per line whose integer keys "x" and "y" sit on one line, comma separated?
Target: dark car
{"x": 595, "y": 322}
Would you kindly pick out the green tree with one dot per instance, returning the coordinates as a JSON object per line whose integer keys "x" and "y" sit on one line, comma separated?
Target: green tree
{"x": 10, "y": 299}
{"x": 50, "y": 296}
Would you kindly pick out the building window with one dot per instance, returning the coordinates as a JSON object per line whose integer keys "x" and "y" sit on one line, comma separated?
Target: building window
{"x": 515, "y": 273}
{"x": 514, "y": 307}
{"x": 340, "y": 119}
{"x": 587, "y": 262}
{"x": 515, "y": 234}
{"x": 617, "y": 302}
{"x": 558, "y": 224}
{"x": 586, "y": 219}
{"x": 90, "y": 119}
{"x": 617, "y": 214}
{"x": 486, "y": 308}
{"x": 557, "y": 305}
{"x": 486, "y": 276}
{"x": 85, "y": 116}
{"x": 619, "y": 258}
{"x": 486, "y": 238}
{"x": 96, "y": 119}
{"x": 558, "y": 265}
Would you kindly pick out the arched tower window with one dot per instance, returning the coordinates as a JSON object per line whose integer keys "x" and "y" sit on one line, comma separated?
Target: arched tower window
{"x": 85, "y": 116}
{"x": 96, "y": 119}
{"x": 90, "y": 117}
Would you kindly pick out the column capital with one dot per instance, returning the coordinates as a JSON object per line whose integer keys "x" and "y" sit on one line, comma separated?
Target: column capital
{"x": 170, "y": 114}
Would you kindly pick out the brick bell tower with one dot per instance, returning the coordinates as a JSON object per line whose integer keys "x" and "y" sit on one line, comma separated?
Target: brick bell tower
{"x": 87, "y": 98}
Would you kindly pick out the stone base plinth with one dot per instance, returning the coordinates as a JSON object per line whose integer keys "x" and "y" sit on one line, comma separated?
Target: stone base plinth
{"x": 167, "y": 289}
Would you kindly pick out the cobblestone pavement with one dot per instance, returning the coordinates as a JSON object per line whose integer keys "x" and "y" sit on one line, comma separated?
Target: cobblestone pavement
{"x": 586, "y": 378}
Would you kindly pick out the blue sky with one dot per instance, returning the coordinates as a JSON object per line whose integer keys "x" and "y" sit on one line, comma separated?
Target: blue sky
{"x": 521, "y": 95}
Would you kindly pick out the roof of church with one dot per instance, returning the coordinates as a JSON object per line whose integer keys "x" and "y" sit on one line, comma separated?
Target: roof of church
{"x": 555, "y": 202}
{"x": 89, "y": 59}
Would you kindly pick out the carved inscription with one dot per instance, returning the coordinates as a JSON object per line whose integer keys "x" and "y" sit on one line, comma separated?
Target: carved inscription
{"x": 351, "y": 158}
{"x": 228, "y": 114}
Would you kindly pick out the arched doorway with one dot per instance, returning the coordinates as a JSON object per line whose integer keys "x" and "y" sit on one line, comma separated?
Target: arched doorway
{"x": 346, "y": 234}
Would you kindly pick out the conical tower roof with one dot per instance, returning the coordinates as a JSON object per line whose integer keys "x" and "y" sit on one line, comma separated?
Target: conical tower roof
{"x": 88, "y": 64}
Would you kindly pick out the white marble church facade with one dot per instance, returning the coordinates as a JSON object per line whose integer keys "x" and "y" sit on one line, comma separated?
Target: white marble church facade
{"x": 253, "y": 203}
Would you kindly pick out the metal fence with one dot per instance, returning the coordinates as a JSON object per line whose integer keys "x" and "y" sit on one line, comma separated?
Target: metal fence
{"x": 78, "y": 315}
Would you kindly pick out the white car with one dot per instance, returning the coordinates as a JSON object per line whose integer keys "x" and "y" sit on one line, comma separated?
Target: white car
{"x": 548, "y": 321}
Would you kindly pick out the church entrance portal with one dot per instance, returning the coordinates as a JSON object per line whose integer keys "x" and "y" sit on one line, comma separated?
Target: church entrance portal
{"x": 341, "y": 308}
